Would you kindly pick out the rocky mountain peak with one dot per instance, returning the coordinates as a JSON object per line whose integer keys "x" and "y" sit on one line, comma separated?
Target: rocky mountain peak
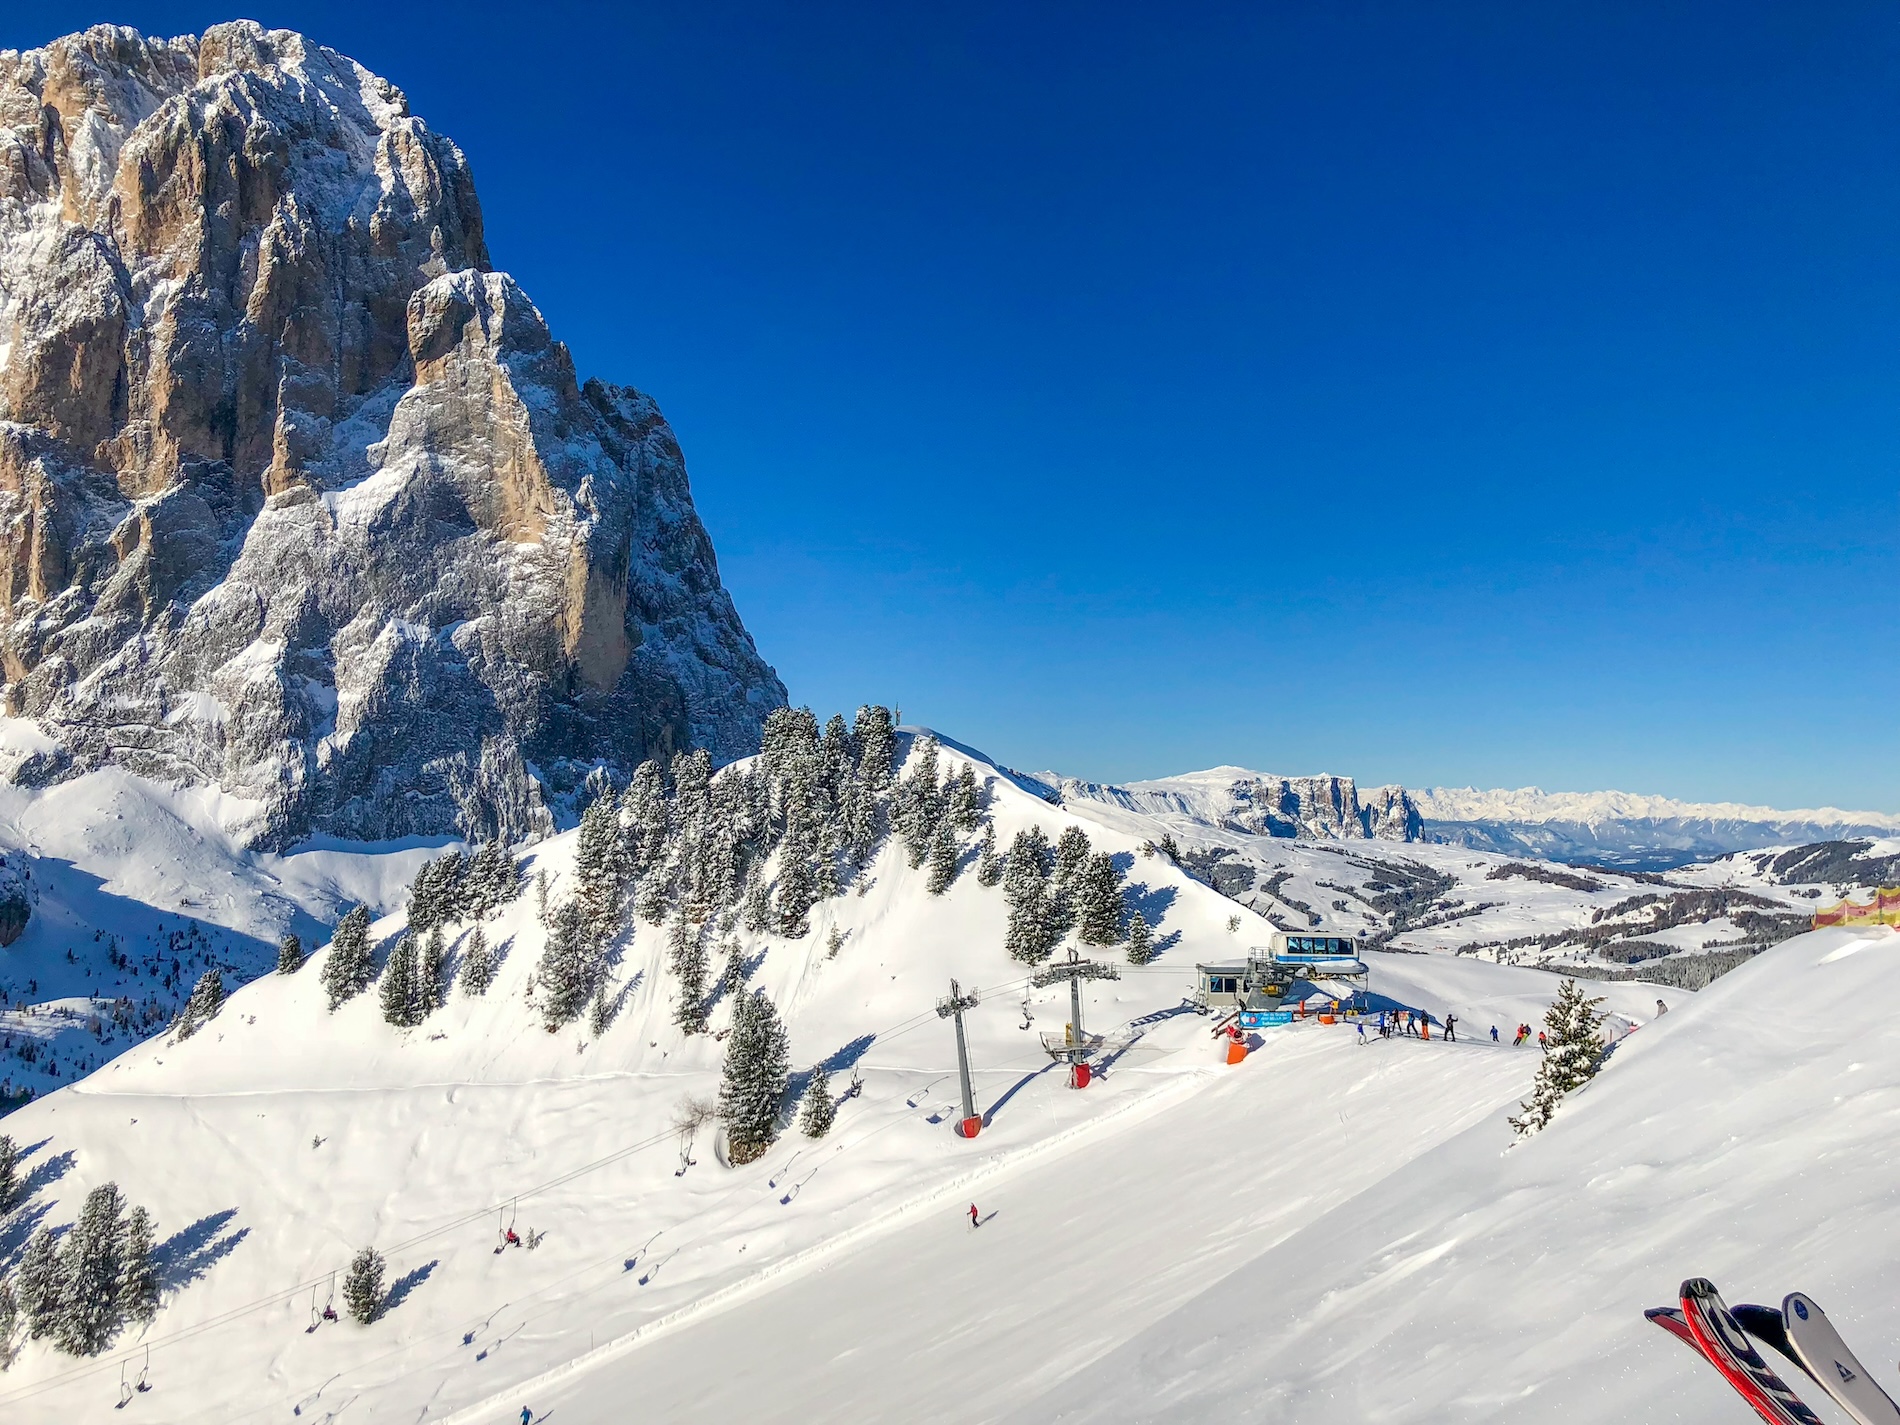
{"x": 298, "y": 496}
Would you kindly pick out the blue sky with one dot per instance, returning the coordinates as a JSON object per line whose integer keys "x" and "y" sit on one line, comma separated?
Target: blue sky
{"x": 1446, "y": 394}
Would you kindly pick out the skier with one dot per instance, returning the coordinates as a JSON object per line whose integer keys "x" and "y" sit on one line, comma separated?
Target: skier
{"x": 1543, "y": 1043}
{"x": 511, "y": 1239}
{"x": 1362, "y": 1031}
{"x": 329, "y": 1312}
{"x": 1661, "y": 1009}
{"x": 527, "y": 1416}
{"x": 1494, "y": 1034}
{"x": 1451, "y": 1027}
{"x": 974, "y": 1222}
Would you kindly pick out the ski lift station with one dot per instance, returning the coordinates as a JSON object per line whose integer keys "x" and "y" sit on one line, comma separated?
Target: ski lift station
{"x": 1292, "y": 967}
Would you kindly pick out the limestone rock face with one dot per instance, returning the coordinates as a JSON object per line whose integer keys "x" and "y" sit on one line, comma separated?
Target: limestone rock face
{"x": 297, "y": 495}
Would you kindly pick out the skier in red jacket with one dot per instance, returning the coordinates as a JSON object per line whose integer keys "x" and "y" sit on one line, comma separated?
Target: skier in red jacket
{"x": 973, "y": 1218}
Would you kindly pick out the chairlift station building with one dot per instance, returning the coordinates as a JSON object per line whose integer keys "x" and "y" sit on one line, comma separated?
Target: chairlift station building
{"x": 1263, "y": 982}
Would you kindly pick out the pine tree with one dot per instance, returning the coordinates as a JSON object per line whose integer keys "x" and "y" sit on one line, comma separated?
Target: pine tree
{"x": 399, "y": 983}
{"x": 348, "y": 970}
{"x": 943, "y": 858}
{"x": 818, "y": 1111}
{"x": 39, "y": 1285}
{"x": 137, "y": 1284}
{"x": 207, "y": 998}
{"x": 989, "y": 866}
{"x": 363, "y": 1286}
{"x": 431, "y": 958}
{"x": 757, "y": 1068}
{"x": 9, "y": 1320}
{"x": 566, "y": 972}
{"x": 9, "y": 1171}
{"x": 289, "y": 955}
{"x": 1141, "y": 949}
{"x": 758, "y": 906}
{"x": 797, "y": 886}
{"x": 493, "y": 880}
{"x": 600, "y": 1012}
{"x": 1574, "y": 1028}
{"x": 859, "y": 817}
{"x": 478, "y": 964}
{"x": 919, "y": 799}
{"x": 1098, "y": 900}
{"x": 876, "y": 739}
{"x": 826, "y": 882}
{"x": 966, "y": 799}
{"x": 91, "y": 1262}
{"x": 1033, "y": 926}
{"x": 687, "y": 950}
{"x": 643, "y": 818}
{"x": 600, "y": 867}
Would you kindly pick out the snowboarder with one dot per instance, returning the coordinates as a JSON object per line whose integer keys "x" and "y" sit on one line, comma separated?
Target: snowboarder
{"x": 1451, "y": 1027}
{"x": 1494, "y": 1034}
{"x": 974, "y": 1220}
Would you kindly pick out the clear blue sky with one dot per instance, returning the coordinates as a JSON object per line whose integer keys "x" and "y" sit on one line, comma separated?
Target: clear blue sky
{"x": 1439, "y": 393}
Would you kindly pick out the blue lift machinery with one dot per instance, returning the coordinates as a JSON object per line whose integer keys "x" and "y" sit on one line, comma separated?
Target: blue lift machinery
{"x": 1290, "y": 969}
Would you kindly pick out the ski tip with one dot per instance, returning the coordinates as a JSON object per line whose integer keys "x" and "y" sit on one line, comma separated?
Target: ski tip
{"x": 1799, "y": 1306}
{"x": 1695, "y": 1287}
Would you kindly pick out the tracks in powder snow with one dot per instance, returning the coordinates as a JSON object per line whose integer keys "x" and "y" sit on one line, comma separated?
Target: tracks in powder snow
{"x": 1122, "y": 1115}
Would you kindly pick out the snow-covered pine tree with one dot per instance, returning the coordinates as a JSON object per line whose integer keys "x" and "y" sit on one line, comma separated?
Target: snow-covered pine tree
{"x": 876, "y": 738}
{"x": 566, "y": 972}
{"x": 919, "y": 799}
{"x": 757, "y": 1068}
{"x": 860, "y": 822}
{"x": 91, "y": 1261}
{"x": 1141, "y": 947}
{"x": 686, "y": 948}
{"x": 9, "y": 1171}
{"x": 989, "y": 866}
{"x": 347, "y": 969}
{"x": 600, "y": 866}
{"x": 835, "y": 758}
{"x": 289, "y": 955}
{"x": 826, "y": 881}
{"x": 425, "y": 895}
{"x": 797, "y": 886}
{"x": 1029, "y": 938}
{"x": 478, "y": 963}
{"x": 137, "y": 1285}
{"x": 817, "y": 1110}
{"x": 207, "y": 998}
{"x": 363, "y": 1286}
{"x": 1097, "y": 890}
{"x": 492, "y": 881}
{"x": 398, "y": 989}
{"x": 966, "y": 799}
{"x": 431, "y": 960}
{"x": 943, "y": 858}
{"x": 39, "y": 1285}
{"x": 654, "y": 893}
{"x": 9, "y": 1320}
{"x": 643, "y": 818}
{"x": 758, "y": 906}
{"x": 1574, "y": 1029}
{"x": 600, "y": 1011}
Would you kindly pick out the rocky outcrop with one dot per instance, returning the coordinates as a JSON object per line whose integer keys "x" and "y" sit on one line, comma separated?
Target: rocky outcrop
{"x": 299, "y": 497}
{"x": 1234, "y": 799}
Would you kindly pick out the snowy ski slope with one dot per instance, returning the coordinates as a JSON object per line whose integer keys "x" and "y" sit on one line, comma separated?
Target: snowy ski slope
{"x": 281, "y": 1138}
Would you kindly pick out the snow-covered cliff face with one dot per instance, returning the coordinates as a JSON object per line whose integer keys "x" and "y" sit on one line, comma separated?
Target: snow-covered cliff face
{"x": 1233, "y": 798}
{"x": 299, "y": 497}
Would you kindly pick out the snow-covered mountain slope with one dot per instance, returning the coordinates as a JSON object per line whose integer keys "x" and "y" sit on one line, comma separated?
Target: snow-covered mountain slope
{"x": 1613, "y": 830}
{"x": 1622, "y": 829}
{"x": 281, "y": 1137}
{"x": 1456, "y": 900}
{"x": 136, "y": 890}
{"x": 1743, "y": 1137}
{"x": 298, "y": 497}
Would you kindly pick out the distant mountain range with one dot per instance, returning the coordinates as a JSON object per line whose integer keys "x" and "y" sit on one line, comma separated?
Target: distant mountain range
{"x": 1625, "y": 830}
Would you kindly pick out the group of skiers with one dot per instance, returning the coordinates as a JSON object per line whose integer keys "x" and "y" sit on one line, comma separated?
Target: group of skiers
{"x": 1414, "y": 1022}
{"x": 1523, "y": 1033}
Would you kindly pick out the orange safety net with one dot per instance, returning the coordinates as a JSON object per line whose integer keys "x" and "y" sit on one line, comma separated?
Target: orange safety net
{"x": 1883, "y": 909}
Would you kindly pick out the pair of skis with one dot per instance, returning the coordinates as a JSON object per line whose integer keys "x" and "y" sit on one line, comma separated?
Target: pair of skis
{"x": 1799, "y": 1331}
